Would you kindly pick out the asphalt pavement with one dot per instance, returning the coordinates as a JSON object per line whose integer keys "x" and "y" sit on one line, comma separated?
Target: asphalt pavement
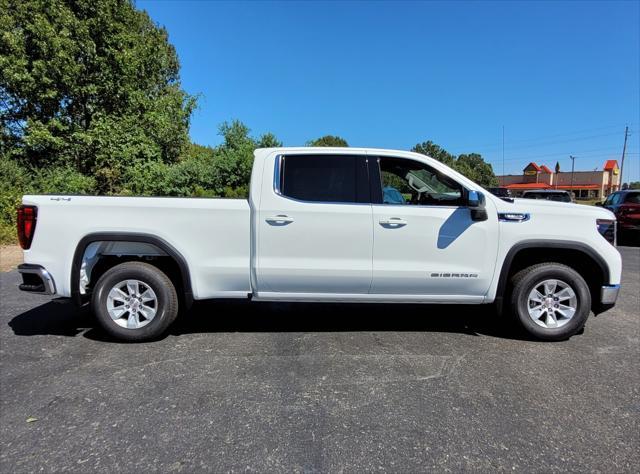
{"x": 317, "y": 388}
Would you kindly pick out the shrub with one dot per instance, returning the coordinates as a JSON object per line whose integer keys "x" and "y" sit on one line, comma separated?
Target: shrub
{"x": 15, "y": 181}
{"x": 18, "y": 180}
{"x": 192, "y": 177}
{"x": 62, "y": 180}
{"x": 146, "y": 179}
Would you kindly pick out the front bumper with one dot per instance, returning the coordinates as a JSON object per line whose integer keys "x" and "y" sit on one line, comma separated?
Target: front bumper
{"x": 609, "y": 294}
{"x": 35, "y": 279}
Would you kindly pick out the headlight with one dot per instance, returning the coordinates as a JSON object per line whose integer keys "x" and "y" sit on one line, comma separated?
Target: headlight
{"x": 607, "y": 229}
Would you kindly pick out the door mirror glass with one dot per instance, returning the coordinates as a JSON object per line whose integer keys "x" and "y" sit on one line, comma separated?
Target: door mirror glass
{"x": 476, "y": 204}
{"x": 475, "y": 200}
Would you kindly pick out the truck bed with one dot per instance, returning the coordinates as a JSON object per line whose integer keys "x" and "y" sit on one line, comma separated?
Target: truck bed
{"x": 213, "y": 235}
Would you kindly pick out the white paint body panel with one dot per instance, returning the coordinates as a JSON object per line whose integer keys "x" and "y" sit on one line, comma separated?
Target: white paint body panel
{"x": 329, "y": 252}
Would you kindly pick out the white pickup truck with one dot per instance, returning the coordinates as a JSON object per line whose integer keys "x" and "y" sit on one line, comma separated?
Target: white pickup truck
{"x": 325, "y": 225}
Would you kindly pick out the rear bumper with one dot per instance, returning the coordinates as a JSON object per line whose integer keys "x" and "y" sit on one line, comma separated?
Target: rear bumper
{"x": 36, "y": 279}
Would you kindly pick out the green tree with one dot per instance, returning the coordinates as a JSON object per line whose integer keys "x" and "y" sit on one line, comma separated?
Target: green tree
{"x": 89, "y": 84}
{"x": 234, "y": 158}
{"x": 471, "y": 165}
{"x": 434, "y": 151}
{"x": 631, "y": 185}
{"x": 476, "y": 169}
{"x": 328, "y": 140}
{"x": 269, "y": 140}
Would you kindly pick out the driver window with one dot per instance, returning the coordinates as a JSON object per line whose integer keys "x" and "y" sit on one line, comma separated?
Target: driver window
{"x": 414, "y": 183}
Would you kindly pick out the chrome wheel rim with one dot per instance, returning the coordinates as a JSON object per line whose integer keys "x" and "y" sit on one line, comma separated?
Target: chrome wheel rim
{"x": 552, "y": 304}
{"x": 132, "y": 304}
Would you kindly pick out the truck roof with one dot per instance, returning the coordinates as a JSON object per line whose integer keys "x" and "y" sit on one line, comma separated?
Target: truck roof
{"x": 335, "y": 149}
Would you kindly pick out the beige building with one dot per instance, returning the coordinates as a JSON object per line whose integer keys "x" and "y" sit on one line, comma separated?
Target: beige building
{"x": 586, "y": 184}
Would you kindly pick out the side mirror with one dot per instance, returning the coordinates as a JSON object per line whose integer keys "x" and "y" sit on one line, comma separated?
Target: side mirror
{"x": 476, "y": 204}
{"x": 599, "y": 204}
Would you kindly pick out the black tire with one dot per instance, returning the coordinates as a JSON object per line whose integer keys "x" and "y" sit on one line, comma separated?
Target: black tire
{"x": 166, "y": 309}
{"x": 526, "y": 280}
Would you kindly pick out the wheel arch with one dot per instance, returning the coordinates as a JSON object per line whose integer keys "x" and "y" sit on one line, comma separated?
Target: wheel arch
{"x": 577, "y": 255}
{"x": 139, "y": 238}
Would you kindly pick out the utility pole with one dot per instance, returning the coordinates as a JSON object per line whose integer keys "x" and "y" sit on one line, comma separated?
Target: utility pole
{"x": 573, "y": 162}
{"x": 624, "y": 150}
{"x": 503, "y": 155}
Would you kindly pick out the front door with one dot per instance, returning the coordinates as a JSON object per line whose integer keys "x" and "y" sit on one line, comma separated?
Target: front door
{"x": 314, "y": 226}
{"x": 425, "y": 242}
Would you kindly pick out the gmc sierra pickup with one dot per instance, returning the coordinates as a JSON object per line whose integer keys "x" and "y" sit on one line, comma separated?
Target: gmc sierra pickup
{"x": 325, "y": 224}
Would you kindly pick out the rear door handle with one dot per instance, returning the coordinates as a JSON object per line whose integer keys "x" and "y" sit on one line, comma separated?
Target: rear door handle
{"x": 393, "y": 221}
{"x": 280, "y": 219}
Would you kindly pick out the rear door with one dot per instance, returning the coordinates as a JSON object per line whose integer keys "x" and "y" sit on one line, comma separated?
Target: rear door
{"x": 314, "y": 229}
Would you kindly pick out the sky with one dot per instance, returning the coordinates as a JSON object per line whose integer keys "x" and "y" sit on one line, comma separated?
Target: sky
{"x": 561, "y": 78}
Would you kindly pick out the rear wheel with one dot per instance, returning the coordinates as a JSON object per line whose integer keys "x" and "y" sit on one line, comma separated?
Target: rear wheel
{"x": 550, "y": 301}
{"x": 135, "y": 301}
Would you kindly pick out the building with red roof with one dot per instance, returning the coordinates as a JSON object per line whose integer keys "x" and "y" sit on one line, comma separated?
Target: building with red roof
{"x": 585, "y": 184}
{"x": 610, "y": 165}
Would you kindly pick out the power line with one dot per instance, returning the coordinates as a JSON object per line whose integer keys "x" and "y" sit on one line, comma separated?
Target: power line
{"x": 493, "y": 145}
{"x": 541, "y": 144}
{"x": 594, "y": 152}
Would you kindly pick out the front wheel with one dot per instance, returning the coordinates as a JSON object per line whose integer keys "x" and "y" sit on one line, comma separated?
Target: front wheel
{"x": 550, "y": 301}
{"x": 135, "y": 301}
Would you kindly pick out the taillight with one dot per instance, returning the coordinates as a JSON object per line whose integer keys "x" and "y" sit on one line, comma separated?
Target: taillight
{"x": 27, "y": 216}
{"x": 607, "y": 228}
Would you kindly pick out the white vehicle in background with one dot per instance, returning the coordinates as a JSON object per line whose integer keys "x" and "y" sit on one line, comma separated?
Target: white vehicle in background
{"x": 325, "y": 224}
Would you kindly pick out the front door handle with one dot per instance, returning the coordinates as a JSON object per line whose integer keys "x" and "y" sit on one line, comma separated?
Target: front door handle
{"x": 393, "y": 221}
{"x": 280, "y": 219}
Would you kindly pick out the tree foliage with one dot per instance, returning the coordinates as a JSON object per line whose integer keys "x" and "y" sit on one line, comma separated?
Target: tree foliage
{"x": 203, "y": 171}
{"x": 329, "y": 140}
{"x": 476, "y": 169}
{"x": 434, "y": 151}
{"x": 89, "y": 84}
{"x": 471, "y": 165}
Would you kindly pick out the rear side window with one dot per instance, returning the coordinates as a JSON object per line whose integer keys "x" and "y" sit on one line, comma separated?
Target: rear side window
{"x": 633, "y": 198}
{"x": 533, "y": 196}
{"x": 561, "y": 197}
{"x": 325, "y": 178}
